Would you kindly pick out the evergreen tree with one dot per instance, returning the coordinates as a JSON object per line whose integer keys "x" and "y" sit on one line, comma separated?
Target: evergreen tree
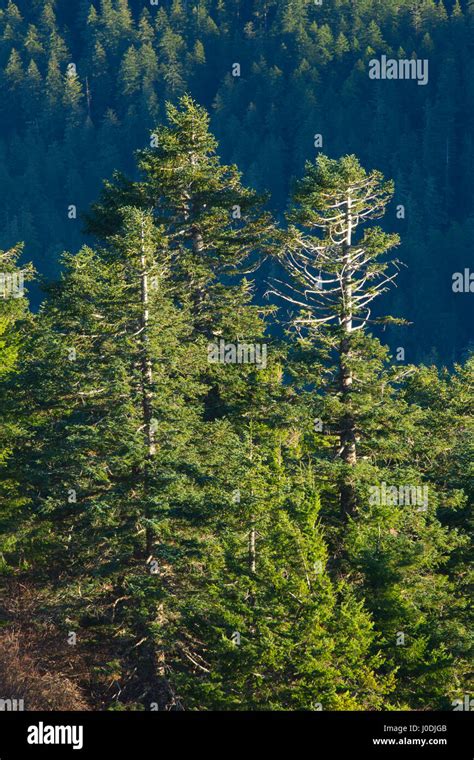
{"x": 111, "y": 447}
{"x": 214, "y": 222}
{"x": 32, "y": 89}
{"x": 72, "y": 96}
{"x": 54, "y": 86}
{"x": 336, "y": 277}
{"x": 12, "y": 78}
{"x": 32, "y": 42}
{"x": 14, "y": 323}
{"x": 364, "y": 444}
{"x": 129, "y": 78}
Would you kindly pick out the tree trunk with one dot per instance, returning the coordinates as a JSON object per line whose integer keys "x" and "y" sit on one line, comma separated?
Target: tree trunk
{"x": 152, "y": 665}
{"x": 147, "y": 378}
{"x": 252, "y": 532}
{"x": 197, "y": 239}
{"x": 252, "y": 548}
{"x": 347, "y": 432}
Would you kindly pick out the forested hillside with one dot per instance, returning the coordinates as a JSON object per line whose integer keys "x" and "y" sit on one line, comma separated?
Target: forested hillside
{"x": 197, "y": 516}
{"x": 84, "y": 83}
{"x": 236, "y": 431}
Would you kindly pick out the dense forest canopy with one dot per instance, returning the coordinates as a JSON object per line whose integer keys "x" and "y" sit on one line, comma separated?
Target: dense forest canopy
{"x": 85, "y": 82}
{"x": 232, "y": 477}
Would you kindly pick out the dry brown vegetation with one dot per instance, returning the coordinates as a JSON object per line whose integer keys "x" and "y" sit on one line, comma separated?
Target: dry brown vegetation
{"x": 36, "y": 662}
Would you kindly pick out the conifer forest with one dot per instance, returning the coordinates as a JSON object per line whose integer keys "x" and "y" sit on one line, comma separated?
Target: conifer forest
{"x": 236, "y": 355}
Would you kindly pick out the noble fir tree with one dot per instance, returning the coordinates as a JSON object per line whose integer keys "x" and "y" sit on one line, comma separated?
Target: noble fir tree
{"x": 381, "y": 510}
{"x": 334, "y": 276}
{"x": 213, "y": 222}
{"x": 113, "y": 419}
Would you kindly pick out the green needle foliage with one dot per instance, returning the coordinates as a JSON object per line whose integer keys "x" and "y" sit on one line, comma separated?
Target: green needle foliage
{"x": 211, "y": 514}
